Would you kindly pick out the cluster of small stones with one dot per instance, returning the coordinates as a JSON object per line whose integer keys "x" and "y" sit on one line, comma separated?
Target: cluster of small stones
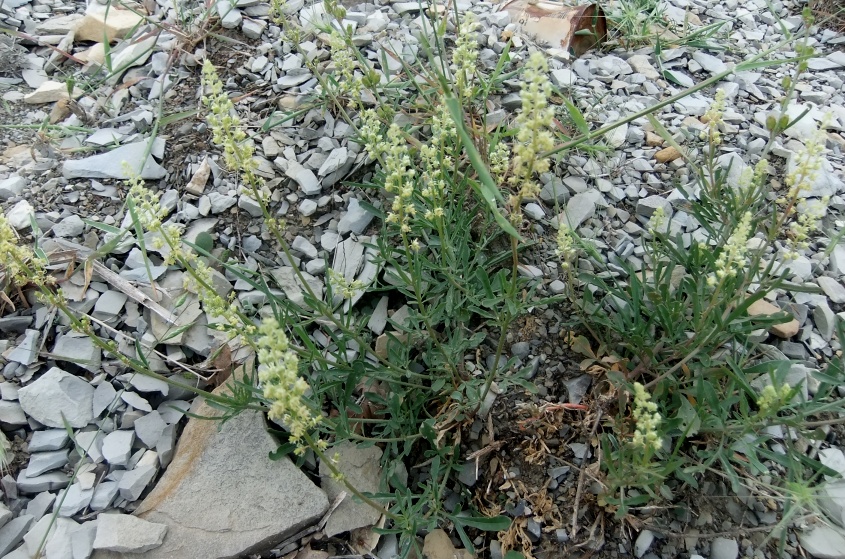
{"x": 125, "y": 426}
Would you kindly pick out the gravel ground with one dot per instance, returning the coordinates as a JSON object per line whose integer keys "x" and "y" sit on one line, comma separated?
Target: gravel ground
{"x": 539, "y": 461}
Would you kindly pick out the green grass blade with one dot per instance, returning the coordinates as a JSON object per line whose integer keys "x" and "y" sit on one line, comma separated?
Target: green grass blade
{"x": 485, "y": 186}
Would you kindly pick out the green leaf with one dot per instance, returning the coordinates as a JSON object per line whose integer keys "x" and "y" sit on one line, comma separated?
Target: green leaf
{"x": 581, "y": 345}
{"x": 671, "y": 77}
{"x": 438, "y": 385}
{"x": 281, "y": 452}
{"x": 686, "y": 476}
{"x": 577, "y": 117}
{"x": 427, "y": 430}
{"x": 514, "y": 555}
{"x": 485, "y": 188}
{"x": 488, "y": 524}
{"x": 378, "y": 212}
{"x": 181, "y": 300}
{"x": 102, "y": 226}
{"x": 205, "y": 241}
{"x": 691, "y": 423}
{"x": 484, "y": 278}
{"x": 822, "y": 376}
{"x": 664, "y": 133}
{"x": 176, "y": 117}
{"x": 176, "y": 332}
{"x": 755, "y": 64}
{"x": 467, "y": 543}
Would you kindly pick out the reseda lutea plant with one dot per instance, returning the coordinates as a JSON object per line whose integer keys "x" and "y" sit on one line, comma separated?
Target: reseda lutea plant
{"x": 690, "y": 369}
{"x": 443, "y": 249}
{"x": 450, "y": 247}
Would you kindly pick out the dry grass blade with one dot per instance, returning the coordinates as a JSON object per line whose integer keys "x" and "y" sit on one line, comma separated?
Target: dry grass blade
{"x": 829, "y": 13}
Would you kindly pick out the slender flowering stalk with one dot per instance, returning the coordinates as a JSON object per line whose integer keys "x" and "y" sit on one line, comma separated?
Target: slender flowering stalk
{"x": 733, "y": 255}
{"x": 465, "y": 55}
{"x": 282, "y": 386}
{"x": 533, "y": 136}
{"x": 800, "y": 180}
{"x": 647, "y": 419}
{"x": 226, "y": 127}
{"x": 19, "y": 263}
{"x": 347, "y": 83}
{"x": 199, "y": 280}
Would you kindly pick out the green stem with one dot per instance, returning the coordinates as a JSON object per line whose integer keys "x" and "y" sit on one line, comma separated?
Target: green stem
{"x": 747, "y": 65}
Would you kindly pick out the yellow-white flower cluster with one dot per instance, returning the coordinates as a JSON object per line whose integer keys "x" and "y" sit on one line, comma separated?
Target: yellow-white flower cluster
{"x": 657, "y": 220}
{"x": 342, "y": 286}
{"x": 771, "y": 400}
{"x": 199, "y": 280}
{"x": 226, "y": 127}
{"x": 198, "y": 277}
{"x": 281, "y": 384}
{"x": 465, "y": 55}
{"x": 713, "y": 118}
{"x": 799, "y": 180}
{"x": 647, "y": 419}
{"x": 277, "y": 11}
{"x": 533, "y": 136}
{"x": 345, "y": 64}
{"x": 752, "y": 178}
{"x": 436, "y": 161}
{"x": 566, "y": 248}
{"x": 806, "y": 222}
{"x": 808, "y": 163}
{"x": 369, "y": 130}
{"x": 150, "y": 214}
{"x": 19, "y": 264}
{"x": 399, "y": 179}
{"x": 500, "y": 161}
{"x": 400, "y": 175}
{"x": 733, "y": 255}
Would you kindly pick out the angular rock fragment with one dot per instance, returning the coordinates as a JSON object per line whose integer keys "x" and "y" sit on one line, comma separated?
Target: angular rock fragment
{"x": 12, "y": 533}
{"x": 57, "y": 397}
{"x": 128, "y": 534}
{"x": 101, "y": 25}
{"x": 78, "y": 349}
{"x": 26, "y": 352}
{"x": 355, "y": 220}
{"x": 361, "y": 467}
{"x": 111, "y": 165}
{"x": 763, "y": 308}
{"x": 269, "y": 501}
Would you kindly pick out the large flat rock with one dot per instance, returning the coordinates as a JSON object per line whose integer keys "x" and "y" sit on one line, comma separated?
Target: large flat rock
{"x": 222, "y": 497}
{"x": 118, "y": 163}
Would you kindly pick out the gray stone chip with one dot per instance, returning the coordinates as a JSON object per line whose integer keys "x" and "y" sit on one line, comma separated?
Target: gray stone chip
{"x": 57, "y": 395}
{"x": 12, "y": 533}
{"x": 128, "y": 534}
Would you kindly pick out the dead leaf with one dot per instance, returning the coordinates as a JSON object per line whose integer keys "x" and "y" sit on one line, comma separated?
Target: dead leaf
{"x": 223, "y": 365}
{"x": 364, "y": 540}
